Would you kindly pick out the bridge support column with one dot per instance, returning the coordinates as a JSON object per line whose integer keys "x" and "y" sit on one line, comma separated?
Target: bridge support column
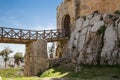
{"x": 36, "y": 60}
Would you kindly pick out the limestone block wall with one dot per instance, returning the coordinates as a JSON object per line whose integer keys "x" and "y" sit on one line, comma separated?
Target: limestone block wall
{"x": 77, "y": 8}
{"x": 103, "y": 6}
{"x": 36, "y": 60}
{"x": 66, "y": 8}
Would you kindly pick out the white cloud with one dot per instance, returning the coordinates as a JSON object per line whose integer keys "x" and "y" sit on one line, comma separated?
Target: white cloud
{"x": 44, "y": 27}
{"x": 12, "y": 22}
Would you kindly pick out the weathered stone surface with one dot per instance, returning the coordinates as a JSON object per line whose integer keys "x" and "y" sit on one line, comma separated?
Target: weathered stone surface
{"x": 77, "y": 8}
{"x": 89, "y": 41}
{"x": 61, "y": 49}
{"x": 104, "y": 6}
{"x": 97, "y": 26}
{"x": 58, "y": 61}
{"x": 95, "y": 44}
{"x": 95, "y": 19}
{"x": 103, "y": 47}
{"x": 36, "y": 60}
{"x": 110, "y": 39}
{"x": 119, "y": 29}
{"x": 89, "y": 16}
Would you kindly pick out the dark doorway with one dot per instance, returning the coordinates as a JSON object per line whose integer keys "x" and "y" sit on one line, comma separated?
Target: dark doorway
{"x": 66, "y": 25}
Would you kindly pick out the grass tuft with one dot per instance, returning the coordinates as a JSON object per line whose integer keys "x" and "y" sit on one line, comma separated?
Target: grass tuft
{"x": 67, "y": 72}
{"x": 87, "y": 72}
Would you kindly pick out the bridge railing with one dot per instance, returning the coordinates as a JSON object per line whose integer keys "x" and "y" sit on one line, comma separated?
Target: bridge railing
{"x": 31, "y": 34}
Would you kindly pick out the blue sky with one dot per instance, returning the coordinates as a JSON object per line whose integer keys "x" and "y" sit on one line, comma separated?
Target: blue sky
{"x": 27, "y": 14}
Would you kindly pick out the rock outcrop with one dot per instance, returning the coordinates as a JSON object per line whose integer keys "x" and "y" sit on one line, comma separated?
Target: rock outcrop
{"x": 36, "y": 60}
{"x": 96, "y": 40}
{"x": 77, "y": 8}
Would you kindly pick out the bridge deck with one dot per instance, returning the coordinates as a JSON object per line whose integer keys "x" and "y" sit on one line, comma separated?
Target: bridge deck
{"x": 23, "y": 36}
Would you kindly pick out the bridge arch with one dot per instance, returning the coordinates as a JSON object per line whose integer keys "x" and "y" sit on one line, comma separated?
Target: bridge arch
{"x": 66, "y": 25}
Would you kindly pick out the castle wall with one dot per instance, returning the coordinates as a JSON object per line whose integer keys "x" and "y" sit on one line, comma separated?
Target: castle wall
{"x": 66, "y": 8}
{"x": 103, "y": 6}
{"x": 78, "y": 8}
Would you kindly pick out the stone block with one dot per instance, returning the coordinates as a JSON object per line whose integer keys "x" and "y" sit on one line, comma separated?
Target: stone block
{"x": 36, "y": 60}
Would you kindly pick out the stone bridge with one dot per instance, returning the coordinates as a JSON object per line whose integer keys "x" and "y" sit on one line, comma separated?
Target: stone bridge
{"x": 36, "y": 60}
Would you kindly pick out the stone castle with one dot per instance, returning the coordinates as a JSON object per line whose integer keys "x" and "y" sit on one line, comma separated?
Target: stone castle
{"x": 94, "y": 27}
{"x": 76, "y": 8}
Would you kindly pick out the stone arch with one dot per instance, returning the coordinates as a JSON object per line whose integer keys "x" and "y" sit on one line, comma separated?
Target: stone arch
{"x": 66, "y": 25}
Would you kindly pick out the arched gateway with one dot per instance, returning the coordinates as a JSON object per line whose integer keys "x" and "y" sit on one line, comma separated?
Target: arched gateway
{"x": 66, "y": 25}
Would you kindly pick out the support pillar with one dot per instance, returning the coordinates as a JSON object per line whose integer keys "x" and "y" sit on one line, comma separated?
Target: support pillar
{"x": 36, "y": 60}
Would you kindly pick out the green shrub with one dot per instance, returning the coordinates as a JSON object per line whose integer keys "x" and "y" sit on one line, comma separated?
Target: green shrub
{"x": 101, "y": 30}
{"x": 118, "y": 44}
{"x": 73, "y": 47}
{"x": 117, "y": 12}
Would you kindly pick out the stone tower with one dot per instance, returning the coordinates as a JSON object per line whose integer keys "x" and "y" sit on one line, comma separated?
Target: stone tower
{"x": 70, "y": 10}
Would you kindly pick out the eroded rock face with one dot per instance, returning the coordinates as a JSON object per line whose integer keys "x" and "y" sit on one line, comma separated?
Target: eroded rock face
{"x": 77, "y": 8}
{"x": 96, "y": 40}
{"x": 36, "y": 60}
